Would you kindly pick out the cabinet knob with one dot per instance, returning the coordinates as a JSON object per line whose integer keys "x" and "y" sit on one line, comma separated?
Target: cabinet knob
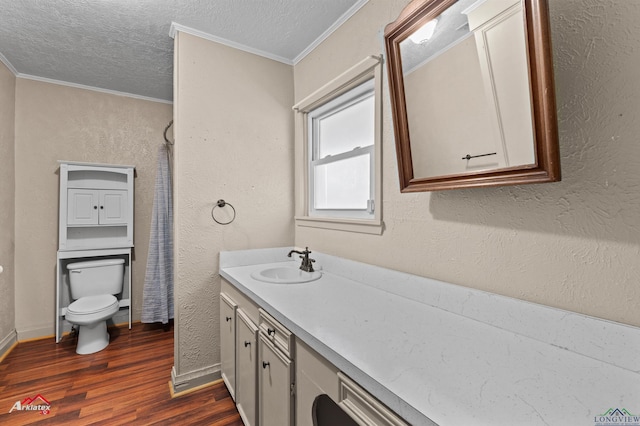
{"x": 271, "y": 331}
{"x": 228, "y": 319}
{"x": 101, "y": 207}
{"x": 247, "y": 343}
{"x": 95, "y": 207}
{"x": 265, "y": 364}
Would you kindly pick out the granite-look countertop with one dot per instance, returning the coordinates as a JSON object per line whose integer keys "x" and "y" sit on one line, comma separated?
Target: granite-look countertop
{"x": 438, "y": 353}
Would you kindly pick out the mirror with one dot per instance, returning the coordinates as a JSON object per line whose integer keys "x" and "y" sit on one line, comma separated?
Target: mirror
{"x": 472, "y": 94}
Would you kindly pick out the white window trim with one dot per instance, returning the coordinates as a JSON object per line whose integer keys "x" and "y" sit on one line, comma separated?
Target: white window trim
{"x": 367, "y": 69}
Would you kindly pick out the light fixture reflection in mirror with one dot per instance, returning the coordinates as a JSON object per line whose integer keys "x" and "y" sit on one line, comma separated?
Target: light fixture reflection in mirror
{"x": 474, "y": 105}
{"x": 424, "y": 33}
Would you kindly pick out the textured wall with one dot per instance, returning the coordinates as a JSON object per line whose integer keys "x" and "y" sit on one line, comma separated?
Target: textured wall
{"x": 7, "y": 185}
{"x": 234, "y": 132}
{"x": 571, "y": 244}
{"x": 54, "y": 123}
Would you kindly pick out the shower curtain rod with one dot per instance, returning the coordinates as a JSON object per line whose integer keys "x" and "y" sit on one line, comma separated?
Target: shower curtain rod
{"x": 167, "y": 141}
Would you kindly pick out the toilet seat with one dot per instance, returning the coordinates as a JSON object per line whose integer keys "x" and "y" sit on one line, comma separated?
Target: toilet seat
{"x": 92, "y": 304}
{"x": 92, "y": 308}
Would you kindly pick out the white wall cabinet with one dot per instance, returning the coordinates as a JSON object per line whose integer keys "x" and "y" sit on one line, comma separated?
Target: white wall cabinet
{"x": 95, "y": 220}
{"x": 96, "y": 207}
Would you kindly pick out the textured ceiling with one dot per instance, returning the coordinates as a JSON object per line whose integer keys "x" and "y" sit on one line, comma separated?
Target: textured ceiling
{"x": 124, "y": 45}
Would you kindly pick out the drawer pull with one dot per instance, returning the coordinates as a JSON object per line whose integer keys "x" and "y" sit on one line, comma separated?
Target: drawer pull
{"x": 228, "y": 319}
{"x": 265, "y": 364}
{"x": 271, "y": 331}
{"x": 247, "y": 343}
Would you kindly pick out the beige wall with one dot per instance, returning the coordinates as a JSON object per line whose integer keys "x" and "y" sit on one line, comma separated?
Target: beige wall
{"x": 234, "y": 133}
{"x": 7, "y": 185}
{"x": 462, "y": 119}
{"x": 572, "y": 244}
{"x": 55, "y": 122}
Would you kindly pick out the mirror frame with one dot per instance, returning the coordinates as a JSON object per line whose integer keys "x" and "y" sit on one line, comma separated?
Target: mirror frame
{"x": 545, "y": 128}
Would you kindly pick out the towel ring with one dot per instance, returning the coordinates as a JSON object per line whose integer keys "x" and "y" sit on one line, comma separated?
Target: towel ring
{"x": 221, "y": 203}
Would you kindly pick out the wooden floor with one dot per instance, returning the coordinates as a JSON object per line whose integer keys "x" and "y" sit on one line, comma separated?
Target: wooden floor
{"x": 126, "y": 383}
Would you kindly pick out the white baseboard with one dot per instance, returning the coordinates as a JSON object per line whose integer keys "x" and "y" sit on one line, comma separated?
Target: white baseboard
{"x": 35, "y": 333}
{"x": 192, "y": 379}
{"x": 7, "y": 342}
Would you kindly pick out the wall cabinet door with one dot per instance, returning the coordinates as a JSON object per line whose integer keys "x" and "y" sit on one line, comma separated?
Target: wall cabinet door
{"x": 96, "y": 207}
{"x": 246, "y": 368}
{"x": 113, "y": 207}
{"x": 228, "y": 342}
{"x": 275, "y": 385}
{"x": 82, "y": 207}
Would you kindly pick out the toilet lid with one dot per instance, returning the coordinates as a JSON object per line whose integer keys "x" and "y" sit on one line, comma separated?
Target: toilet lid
{"x": 92, "y": 304}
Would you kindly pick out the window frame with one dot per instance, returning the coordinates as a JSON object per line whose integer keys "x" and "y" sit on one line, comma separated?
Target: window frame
{"x": 368, "y": 69}
{"x": 349, "y": 98}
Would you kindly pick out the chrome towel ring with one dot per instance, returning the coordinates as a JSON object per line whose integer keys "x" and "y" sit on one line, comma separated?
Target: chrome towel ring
{"x": 221, "y": 203}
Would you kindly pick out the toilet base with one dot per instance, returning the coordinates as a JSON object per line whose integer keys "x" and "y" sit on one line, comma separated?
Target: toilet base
{"x": 92, "y": 338}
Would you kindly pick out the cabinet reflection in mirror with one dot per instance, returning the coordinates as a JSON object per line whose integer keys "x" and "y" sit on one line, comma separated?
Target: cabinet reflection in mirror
{"x": 472, "y": 92}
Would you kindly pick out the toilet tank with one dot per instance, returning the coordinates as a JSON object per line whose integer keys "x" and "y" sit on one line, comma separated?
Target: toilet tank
{"x": 96, "y": 277}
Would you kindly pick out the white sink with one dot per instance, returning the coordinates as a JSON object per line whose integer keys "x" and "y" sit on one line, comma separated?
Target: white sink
{"x": 285, "y": 275}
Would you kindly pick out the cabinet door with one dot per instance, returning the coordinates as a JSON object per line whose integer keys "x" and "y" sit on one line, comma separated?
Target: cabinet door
{"x": 246, "y": 369}
{"x": 228, "y": 342}
{"x": 113, "y": 207}
{"x": 82, "y": 207}
{"x": 276, "y": 385}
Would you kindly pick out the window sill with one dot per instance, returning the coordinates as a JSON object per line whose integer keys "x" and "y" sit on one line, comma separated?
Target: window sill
{"x": 374, "y": 227}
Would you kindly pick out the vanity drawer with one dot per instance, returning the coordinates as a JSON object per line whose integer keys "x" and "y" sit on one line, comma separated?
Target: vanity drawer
{"x": 362, "y": 407}
{"x": 276, "y": 333}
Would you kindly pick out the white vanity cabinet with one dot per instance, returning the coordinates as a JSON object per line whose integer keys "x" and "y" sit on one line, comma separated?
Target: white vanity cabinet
{"x": 246, "y": 368}
{"x": 239, "y": 351}
{"x": 228, "y": 342}
{"x": 276, "y": 379}
{"x": 276, "y": 374}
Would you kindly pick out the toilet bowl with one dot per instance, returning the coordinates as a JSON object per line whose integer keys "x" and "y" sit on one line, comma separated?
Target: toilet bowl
{"x": 93, "y": 285}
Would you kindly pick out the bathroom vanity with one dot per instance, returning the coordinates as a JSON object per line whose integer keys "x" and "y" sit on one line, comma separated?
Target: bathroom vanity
{"x": 391, "y": 348}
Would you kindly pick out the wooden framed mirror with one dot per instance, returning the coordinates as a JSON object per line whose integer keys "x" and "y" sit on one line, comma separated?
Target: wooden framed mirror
{"x": 473, "y": 99}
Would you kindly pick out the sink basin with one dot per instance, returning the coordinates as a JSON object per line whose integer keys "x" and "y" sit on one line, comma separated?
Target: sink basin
{"x": 285, "y": 275}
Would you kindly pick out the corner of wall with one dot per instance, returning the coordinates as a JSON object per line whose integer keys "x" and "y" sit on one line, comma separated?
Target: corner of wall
{"x": 181, "y": 383}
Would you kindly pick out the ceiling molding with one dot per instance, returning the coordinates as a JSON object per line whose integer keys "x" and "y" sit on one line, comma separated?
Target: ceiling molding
{"x": 348, "y": 14}
{"x": 94, "y": 89}
{"x": 8, "y": 64}
{"x": 175, "y": 27}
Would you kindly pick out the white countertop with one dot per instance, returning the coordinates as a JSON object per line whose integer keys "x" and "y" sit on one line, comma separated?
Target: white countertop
{"x": 439, "y": 353}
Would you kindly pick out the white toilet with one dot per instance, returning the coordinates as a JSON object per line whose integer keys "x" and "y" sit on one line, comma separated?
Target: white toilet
{"x": 93, "y": 285}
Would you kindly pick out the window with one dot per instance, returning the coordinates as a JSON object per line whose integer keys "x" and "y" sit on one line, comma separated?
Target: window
{"x": 338, "y": 140}
{"x": 341, "y": 163}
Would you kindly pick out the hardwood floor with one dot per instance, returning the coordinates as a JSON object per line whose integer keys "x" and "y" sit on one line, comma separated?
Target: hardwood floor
{"x": 126, "y": 383}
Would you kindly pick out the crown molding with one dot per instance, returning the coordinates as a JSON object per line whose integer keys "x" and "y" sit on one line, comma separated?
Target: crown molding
{"x": 8, "y": 64}
{"x": 348, "y": 14}
{"x": 175, "y": 27}
{"x": 94, "y": 89}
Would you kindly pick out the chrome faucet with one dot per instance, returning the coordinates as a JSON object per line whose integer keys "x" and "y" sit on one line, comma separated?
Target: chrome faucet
{"x": 307, "y": 263}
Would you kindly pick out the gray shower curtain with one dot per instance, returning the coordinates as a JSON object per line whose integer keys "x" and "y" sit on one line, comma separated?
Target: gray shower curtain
{"x": 157, "y": 295}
